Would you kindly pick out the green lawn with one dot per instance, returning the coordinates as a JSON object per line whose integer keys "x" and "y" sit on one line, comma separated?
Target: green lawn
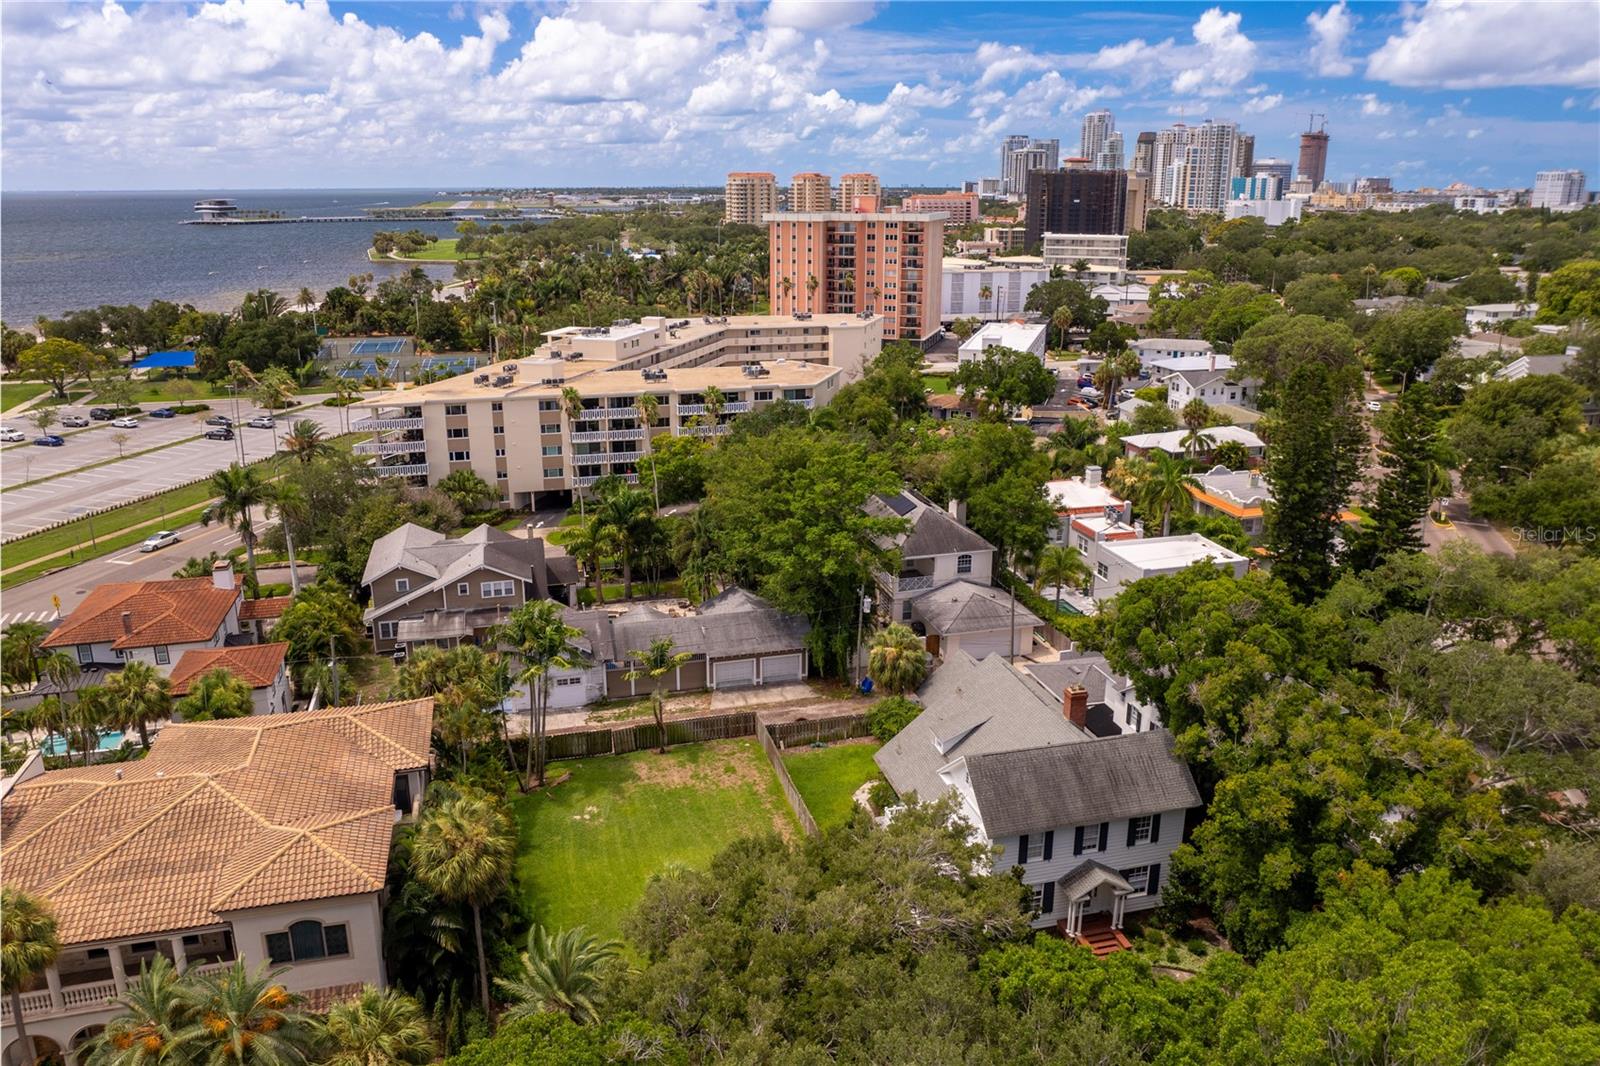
{"x": 587, "y": 847}
{"x": 13, "y": 393}
{"x": 442, "y": 250}
{"x": 828, "y": 777}
{"x": 939, "y": 383}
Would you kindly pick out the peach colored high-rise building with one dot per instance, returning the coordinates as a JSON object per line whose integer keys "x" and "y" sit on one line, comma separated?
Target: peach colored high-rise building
{"x": 810, "y": 192}
{"x": 854, "y": 186}
{"x": 962, "y": 207}
{"x": 750, "y": 195}
{"x": 863, "y": 261}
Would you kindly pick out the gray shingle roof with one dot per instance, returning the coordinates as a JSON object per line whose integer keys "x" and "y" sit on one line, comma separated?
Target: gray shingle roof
{"x": 733, "y": 623}
{"x": 967, "y": 607}
{"x": 1080, "y": 784}
{"x": 931, "y": 531}
{"x": 445, "y": 561}
{"x": 971, "y": 707}
{"x": 1088, "y": 876}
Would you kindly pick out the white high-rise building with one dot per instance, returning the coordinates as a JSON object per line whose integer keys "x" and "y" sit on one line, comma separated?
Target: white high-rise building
{"x": 1015, "y": 142}
{"x": 1211, "y": 155}
{"x": 1169, "y": 152}
{"x": 1271, "y": 166}
{"x": 1034, "y": 155}
{"x": 1557, "y": 188}
{"x": 1110, "y": 155}
{"x": 1097, "y": 129}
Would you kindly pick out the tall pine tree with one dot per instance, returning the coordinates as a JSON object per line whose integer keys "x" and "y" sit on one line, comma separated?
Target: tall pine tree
{"x": 1410, "y": 435}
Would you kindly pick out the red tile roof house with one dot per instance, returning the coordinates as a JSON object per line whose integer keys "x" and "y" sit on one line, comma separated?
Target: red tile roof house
{"x": 261, "y": 666}
{"x": 152, "y": 621}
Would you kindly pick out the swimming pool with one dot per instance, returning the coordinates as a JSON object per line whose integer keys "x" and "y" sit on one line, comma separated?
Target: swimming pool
{"x": 57, "y": 745}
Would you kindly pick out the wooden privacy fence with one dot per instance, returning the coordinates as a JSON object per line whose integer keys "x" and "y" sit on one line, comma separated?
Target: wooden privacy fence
{"x": 797, "y": 802}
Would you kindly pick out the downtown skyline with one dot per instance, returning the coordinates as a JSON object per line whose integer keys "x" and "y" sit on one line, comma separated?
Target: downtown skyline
{"x": 263, "y": 95}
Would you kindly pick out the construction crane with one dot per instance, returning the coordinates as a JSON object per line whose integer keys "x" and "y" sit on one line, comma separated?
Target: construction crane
{"x": 1311, "y": 125}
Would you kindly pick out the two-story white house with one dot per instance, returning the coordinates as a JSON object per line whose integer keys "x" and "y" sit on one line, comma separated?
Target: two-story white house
{"x": 152, "y": 621}
{"x": 944, "y": 587}
{"x": 1092, "y": 819}
{"x": 261, "y": 666}
{"x": 1216, "y": 380}
{"x": 264, "y": 839}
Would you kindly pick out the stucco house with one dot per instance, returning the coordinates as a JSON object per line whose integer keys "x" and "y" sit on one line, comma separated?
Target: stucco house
{"x": 152, "y": 621}
{"x": 1093, "y": 820}
{"x": 261, "y": 666}
{"x": 264, "y": 839}
{"x": 427, "y": 588}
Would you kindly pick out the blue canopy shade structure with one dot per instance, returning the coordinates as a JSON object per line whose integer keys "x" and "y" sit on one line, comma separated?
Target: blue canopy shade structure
{"x": 162, "y": 360}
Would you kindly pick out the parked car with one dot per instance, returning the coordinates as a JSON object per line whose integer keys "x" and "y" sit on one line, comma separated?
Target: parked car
{"x": 1089, "y": 392}
{"x": 219, "y": 420}
{"x": 165, "y": 538}
{"x": 49, "y": 440}
{"x": 163, "y": 412}
{"x": 219, "y": 433}
{"x": 74, "y": 421}
{"x": 1084, "y": 380}
{"x": 102, "y": 414}
{"x": 11, "y": 436}
{"x": 1374, "y": 405}
{"x": 261, "y": 422}
{"x": 126, "y": 423}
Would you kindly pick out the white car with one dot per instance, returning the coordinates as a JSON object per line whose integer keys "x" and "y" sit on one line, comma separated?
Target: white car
{"x": 1374, "y": 405}
{"x": 126, "y": 423}
{"x": 11, "y": 436}
{"x": 164, "y": 539}
{"x": 261, "y": 422}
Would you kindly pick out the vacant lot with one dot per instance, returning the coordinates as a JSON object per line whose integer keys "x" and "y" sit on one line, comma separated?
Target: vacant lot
{"x": 588, "y": 846}
{"x": 828, "y": 777}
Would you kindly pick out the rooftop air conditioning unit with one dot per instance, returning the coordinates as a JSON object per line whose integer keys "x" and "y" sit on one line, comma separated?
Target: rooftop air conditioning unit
{"x": 510, "y": 368}
{"x": 480, "y": 379}
{"x": 502, "y": 380}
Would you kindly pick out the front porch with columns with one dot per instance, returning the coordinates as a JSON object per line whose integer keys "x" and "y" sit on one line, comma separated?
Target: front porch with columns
{"x": 1095, "y": 898}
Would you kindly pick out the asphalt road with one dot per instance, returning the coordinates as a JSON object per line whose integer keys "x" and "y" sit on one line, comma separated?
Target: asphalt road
{"x": 30, "y": 601}
{"x": 23, "y": 510}
{"x": 1465, "y": 526}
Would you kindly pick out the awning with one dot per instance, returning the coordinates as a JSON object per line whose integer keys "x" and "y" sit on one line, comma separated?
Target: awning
{"x": 435, "y": 625}
{"x": 1083, "y": 880}
{"x": 161, "y": 360}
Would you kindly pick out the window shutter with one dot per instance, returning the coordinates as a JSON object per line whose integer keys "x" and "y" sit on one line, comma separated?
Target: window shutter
{"x": 1105, "y": 831}
{"x": 1049, "y": 843}
{"x": 1130, "y": 832}
{"x": 1049, "y": 898}
{"x": 1022, "y": 850}
{"x": 1155, "y": 828}
{"x": 1152, "y": 886}
{"x": 1077, "y": 841}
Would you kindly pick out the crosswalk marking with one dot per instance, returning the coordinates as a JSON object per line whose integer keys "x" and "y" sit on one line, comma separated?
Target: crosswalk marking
{"x": 26, "y": 616}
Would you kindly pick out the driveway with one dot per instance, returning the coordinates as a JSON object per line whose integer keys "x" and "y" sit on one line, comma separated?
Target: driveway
{"x": 727, "y": 700}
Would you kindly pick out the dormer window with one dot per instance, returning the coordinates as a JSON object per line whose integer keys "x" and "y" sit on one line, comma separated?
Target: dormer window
{"x": 402, "y": 584}
{"x": 963, "y": 564}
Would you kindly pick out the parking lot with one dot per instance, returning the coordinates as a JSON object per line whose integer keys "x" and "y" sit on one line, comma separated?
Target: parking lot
{"x": 23, "y": 510}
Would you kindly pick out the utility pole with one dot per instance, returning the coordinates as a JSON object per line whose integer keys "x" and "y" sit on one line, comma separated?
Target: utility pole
{"x": 861, "y": 614}
{"x": 333, "y": 665}
{"x": 1013, "y": 586}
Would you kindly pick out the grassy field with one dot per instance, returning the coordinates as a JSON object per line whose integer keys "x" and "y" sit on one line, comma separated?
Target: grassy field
{"x": 939, "y": 383}
{"x": 439, "y": 251}
{"x": 13, "y": 393}
{"x": 828, "y": 777}
{"x": 588, "y": 846}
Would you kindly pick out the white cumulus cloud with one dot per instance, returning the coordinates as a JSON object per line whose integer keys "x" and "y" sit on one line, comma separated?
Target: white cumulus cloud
{"x": 1329, "y": 30}
{"x": 1453, "y": 44}
{"x": 1258, "y": 104}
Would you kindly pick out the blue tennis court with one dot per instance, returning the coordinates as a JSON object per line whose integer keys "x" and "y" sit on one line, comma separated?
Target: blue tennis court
{"x": 356, "y": 371}
{"x": 377, "y": 347}
{"x": 448, "y": 364}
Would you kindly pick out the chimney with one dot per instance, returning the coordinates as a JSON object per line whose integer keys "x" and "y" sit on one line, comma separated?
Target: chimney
{"x": 1255, "y": 479}
{"x": 222, "y": 573}
{"x": 127, "y": 622}
{"x": 1075, "y": 705}
{"x": 1092, "y": 475}
{"x": 1213, "y": 360}
{"x": 958, "y": 510}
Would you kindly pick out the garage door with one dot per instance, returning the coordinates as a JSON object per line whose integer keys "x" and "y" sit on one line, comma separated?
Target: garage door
{"x": 779, "y": 668}
{"x": 979, "y": 645}
{"x": 732, "y": 673}
{"x": 566, "y": 690}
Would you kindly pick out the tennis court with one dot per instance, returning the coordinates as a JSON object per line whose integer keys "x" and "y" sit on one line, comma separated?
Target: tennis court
{"x": 387, "y": 347}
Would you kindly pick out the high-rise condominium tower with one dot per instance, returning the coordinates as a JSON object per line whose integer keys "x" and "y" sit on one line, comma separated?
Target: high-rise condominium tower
{"x": 1097, "y": 129}
{"x": 1557, "y": 188}
{"x": 750, "y": 195}
{"x": 854, "y": 186}
{"x": 1314, "y": 156}
{"x": 810, "y": 192}
{"x": 1030, "y": 155}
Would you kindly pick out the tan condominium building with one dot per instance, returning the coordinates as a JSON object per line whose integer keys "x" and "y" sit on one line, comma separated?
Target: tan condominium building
{"x": 750, "y": 195}
{"x": 514, "y": 424}
{"x": 961, "y": 207}
{"x": 866, "y": 261}
{"x": 853, "y": 186}
{"x": 810, "y": 192}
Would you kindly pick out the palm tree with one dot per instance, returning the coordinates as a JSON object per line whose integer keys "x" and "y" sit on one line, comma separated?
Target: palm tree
{"x": 985, "y": 294}
{"x": 288, "y": 502}
{"x": 811, "y": 290}
{"x": 699, "y": 560}
{"x": 243, "y": 1018}
{"x": 239, "y": 489}
{"x": 1061, "y": 319}
{"x": 306, "y": 440}
{"x": 381, "y": 1027}
{"x": 218, "y": 694}
{"x": 559, "y": 973}
{"x": 136, "y": 696}
{"x": 1080, "y": 267}
{"x": 625, "y": 511}
{"x": 647, "y": 405}
{"x": 1167, "y": 487}
{"x": 590, "y": 542}
{"x": 539, "y": 638}
{"x": 655, "y": 663}
{"x": 897, "y": 661}
{"x": 1112, "y": 373}
{"x": 572, "y": 406}
{"x": 153, "y": 1013}
{"x": 1060, "y": 565}
{"x": 28, "y": 944}
{"x": 716, "y": 400}
{"x": 462, "y": 852}
{"x": 19, "y": 650}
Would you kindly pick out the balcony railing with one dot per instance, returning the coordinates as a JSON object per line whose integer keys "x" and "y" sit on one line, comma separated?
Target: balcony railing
{"x": 914, "y": 582}
{"x": 390, "y": 447}
{"x": 88, "y": 997}
{"x": 33, "y": 1004}
{"x": 402, "y": 470}
{"x": 375, "y": 425}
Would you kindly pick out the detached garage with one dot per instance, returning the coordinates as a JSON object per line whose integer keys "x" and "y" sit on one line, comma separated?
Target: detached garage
{"x": 976, "y": 619}
{"x": 732, "y": 673}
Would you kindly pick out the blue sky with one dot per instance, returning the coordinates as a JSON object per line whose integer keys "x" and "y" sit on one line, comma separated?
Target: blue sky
{"x": 259, "y": 93}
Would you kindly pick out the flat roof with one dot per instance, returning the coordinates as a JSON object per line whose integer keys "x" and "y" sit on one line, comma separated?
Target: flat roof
{"x": 1169, "y": 553}
{"x": 1069, "y": 494}
{"x": 856, "y": 216}
{"x": 1018, "y": 335}
{"x": 598, "y": 377}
